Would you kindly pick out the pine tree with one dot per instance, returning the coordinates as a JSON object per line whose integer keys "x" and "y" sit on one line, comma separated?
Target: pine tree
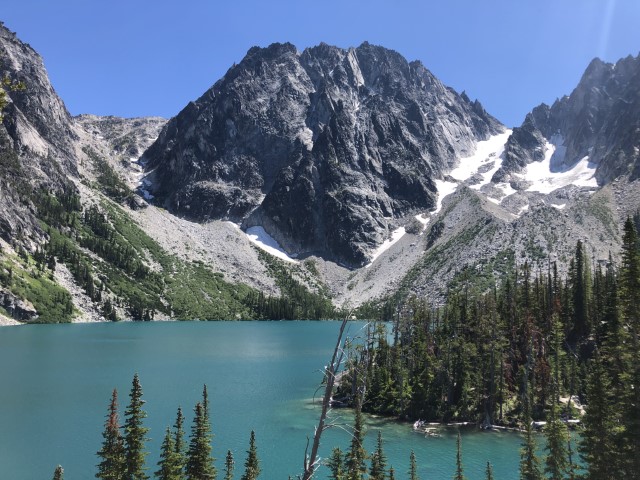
{"x": 199, "y": 461}
{"x": 489, "y": 472}
{"x": 228, "y": 466}
{"x": 598, "y": 447}
{"x": 179, "y": 443}
{"x": 112, "y": 466}
{"x": 413, "y": 467}
{"x": 630, "y": 309}
{"x": 58, "y": 474}
{"x": 556, "y": 462}
{"x": 205, "y": 402}
{"x": 135, "y": 434}
{"x": 252, "y": 464}
{"x": 529, "y": 462}
{"x": 170, "y": 466}
{"x": 580, "y": 288}
{"x": 378, "y": 461}
{"x": 356, "y": 456}
{"x": 336, "y": 464}
{"x": 459, "y": 470}
{"x": 392, "y": 474}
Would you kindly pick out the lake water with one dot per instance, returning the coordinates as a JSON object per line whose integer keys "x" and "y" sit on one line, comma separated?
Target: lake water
{"x": 56, "y": 382}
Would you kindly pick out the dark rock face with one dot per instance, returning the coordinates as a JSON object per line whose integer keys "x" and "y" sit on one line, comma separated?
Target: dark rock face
{"x": 600, "y": 119}
{"x": 18, "y": 309}
{"x": 526, "y": 144}
{"x": 324, "y": 148}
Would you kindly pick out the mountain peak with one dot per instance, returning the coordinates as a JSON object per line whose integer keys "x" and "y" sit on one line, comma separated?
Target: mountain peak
{"x": 327, "y": 151}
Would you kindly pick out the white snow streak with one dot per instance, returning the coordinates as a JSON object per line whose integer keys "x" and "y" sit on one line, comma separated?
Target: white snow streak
{"x": 386, "y": 245}
{"x": 259, "y": 237}
{"x": 487, "y": 151}
{"x": 444, "y": 189}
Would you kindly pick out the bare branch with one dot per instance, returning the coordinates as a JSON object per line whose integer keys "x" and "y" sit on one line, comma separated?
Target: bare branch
{"x": 311, "y": 463}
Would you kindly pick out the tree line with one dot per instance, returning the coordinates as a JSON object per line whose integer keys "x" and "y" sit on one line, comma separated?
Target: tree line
{"x": 534, "y": 348}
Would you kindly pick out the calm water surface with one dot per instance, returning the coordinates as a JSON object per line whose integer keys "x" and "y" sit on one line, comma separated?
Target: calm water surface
{"x": 56, "y": 382}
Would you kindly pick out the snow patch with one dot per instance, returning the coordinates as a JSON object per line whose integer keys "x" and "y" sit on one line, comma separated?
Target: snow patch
{"x": 306, "y": 137}
{"x": 551, "y": 173}
{"x": 560, "y": 206}
{"x": 445, "y": 189}
{"x": 487, "y": 151}
{"x": 260, "y": 238}
{"x": 387, "y": 244}
{"x": 423, "y": 218}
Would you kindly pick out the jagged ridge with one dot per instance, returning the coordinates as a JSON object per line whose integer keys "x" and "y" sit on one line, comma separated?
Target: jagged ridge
{"x": 326, "y": 149}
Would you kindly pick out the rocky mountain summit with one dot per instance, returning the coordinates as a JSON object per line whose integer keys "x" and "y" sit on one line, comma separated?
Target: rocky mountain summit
{"x": 328, "y": 150}
{"x": 599, "y": 121}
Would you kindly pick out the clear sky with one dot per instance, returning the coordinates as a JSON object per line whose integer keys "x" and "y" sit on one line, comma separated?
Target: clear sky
{"x": 150, "y": 57}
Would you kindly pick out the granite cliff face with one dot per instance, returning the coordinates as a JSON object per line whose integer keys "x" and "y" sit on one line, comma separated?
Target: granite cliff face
{"x": 599, "y": 120}
{"x": 37, "y": 136}
{"x": 326, "y": 149}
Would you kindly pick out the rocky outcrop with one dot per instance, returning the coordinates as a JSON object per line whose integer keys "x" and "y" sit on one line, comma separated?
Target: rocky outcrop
{"x": 37, "y": 138}
{"x": 36, "y": 119}
{"x": 326, "y": 149}
{"x": 17, "y": 308}
{"x": 600, "y": 119}
{"x": 127, "y": 138}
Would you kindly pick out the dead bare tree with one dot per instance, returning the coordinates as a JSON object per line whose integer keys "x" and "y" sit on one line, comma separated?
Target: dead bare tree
{"x": 312, "y": 461}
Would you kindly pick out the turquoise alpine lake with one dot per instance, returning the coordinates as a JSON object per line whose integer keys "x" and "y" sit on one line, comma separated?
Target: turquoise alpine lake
{"x": 56, "y": 383}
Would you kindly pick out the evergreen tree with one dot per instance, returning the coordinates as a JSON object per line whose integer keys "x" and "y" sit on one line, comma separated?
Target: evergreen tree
{"x": 580, "y": 286}
{"x": 630, "y": 309}
{"x": 205, "y": 402}
{"x": 356, "y": 456}
{"x": 378, "y": 461}
{"x": 598, "y": 447}
{"x": 489, "y": 472}
{"x": 392, "y": 474}
{"x": 336, "y": 464}
{"x": 199, "y": 461}
{"x": 228, "y": 466}
{"x": 413, "y": 467}
{"x": 529, "y": 462}
{"x": 135, "y": 434}
{"x": 112, "y": 466}
{"x": 556, "y": 462}
{"x": 252, "y": 464}
{"x": 179, "y": 443}
{"x": 170, "y": 461}
{"x": 459, "y": 470}
{"x": 58, "y": 474}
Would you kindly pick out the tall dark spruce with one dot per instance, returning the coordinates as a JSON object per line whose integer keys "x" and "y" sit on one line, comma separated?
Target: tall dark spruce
{"x": 170, "y": 467}
{"x": 135, "y": 435}
{"x": 199, "y": 461}
{"x": 112, "y": 453}
{"x": 252, "y": 464}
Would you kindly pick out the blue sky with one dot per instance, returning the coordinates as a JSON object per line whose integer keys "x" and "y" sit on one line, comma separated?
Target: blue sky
{"x": 140, "y": 57}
